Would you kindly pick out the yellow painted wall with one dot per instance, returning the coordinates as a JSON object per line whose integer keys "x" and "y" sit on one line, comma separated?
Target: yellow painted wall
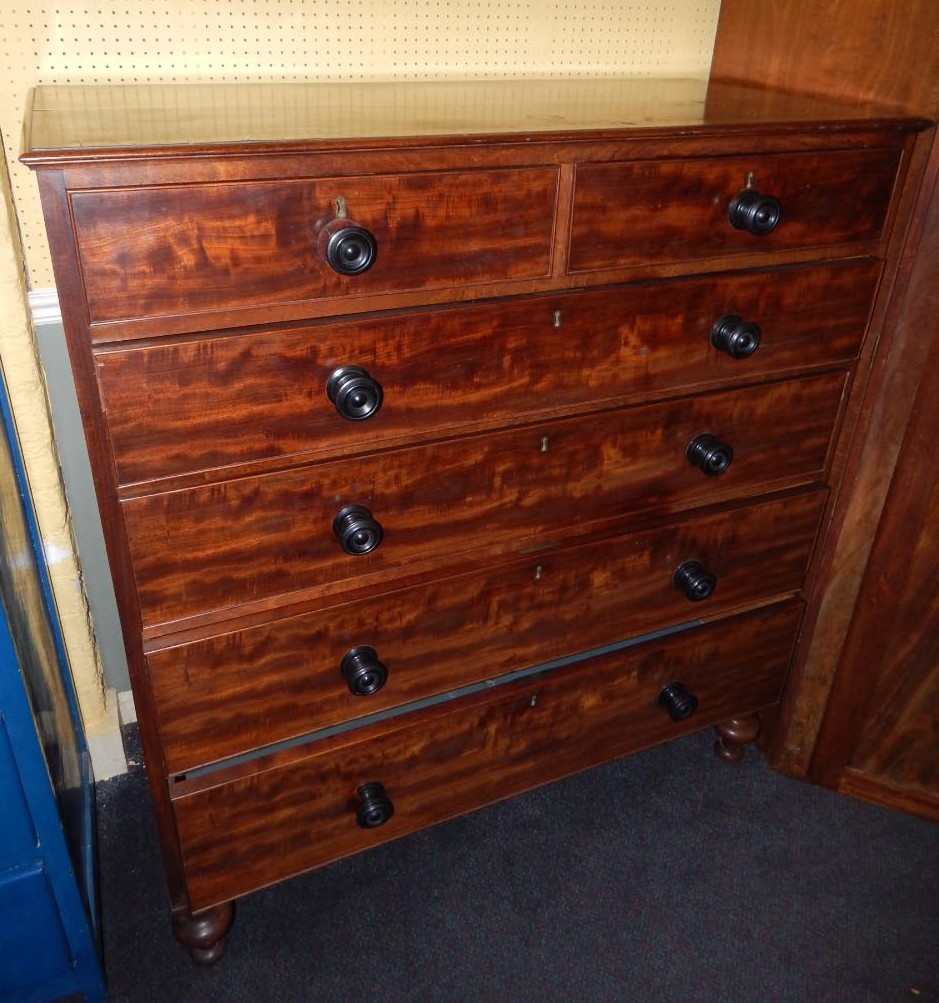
{"x": 215, "y": 40}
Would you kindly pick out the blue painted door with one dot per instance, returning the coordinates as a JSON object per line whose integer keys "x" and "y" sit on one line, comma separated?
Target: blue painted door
{"x": 48, "y": 903}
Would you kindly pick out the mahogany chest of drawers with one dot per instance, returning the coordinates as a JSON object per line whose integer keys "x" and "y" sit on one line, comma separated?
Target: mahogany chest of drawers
{"x": 452, "y": 438}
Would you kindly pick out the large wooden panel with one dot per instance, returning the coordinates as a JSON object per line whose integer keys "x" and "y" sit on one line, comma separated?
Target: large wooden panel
{"x": 238, "y": 398}
{"x": 227, "y": 694}
{"x": 251, "y": 825}
{"x": 205, "y": 549}
{"x": 863, "y": 50}
{"x": 880, "y": 736}
{"x": 166, "y": 251}
{"x": 677, "y": 210}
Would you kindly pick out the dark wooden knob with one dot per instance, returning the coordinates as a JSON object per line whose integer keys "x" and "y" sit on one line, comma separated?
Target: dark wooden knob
{"x": 709, "y": 454}
{"x": 363, "y": 671}
{"x": 735, "y": 336}
{"x": 354, "y": 393}
{"x": 357, "y": 531}
{"x": 757, "y": 214}
{"x": 677, "y": 701}
{"x": 374, "y": 807}
{"x": 351, "y": 250}
{"x": 693, "y": 581}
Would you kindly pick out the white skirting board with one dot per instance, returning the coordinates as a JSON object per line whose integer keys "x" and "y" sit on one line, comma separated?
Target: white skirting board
{"x": 105, "y": 745}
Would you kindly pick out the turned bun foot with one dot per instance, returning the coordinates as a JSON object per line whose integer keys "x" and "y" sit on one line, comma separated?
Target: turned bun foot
{"x": 204, "y": 933}
{"x": 734, "y": 735}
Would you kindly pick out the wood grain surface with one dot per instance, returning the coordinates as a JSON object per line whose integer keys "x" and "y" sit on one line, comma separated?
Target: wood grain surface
{"x": 853, "y": 51}
{"x": 677, "y": 210}
{"x": 529, "y": 463}
{"x": 224, "y": 695}
{"x": 213, "y": 548}
{"x": 252, "y": 826}
{"x": 880, "y": 735}
{"x": 166, "y": 251}
{"x": 198, "y": 405}
{"x": 76, "y": 122}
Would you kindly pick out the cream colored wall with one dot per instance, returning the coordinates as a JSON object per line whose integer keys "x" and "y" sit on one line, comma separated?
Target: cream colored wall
{"x": 276, "y": 39}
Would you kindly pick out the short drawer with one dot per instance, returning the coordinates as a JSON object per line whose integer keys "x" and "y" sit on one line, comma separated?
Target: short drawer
{"x": 181, "y": 251}
{"x": 276, "y": 681}
{"x": 240, "y": 398}
{"x": 221, "y": 545}
{"x": 253, "y": 824}
{"x": 627, "y": 214}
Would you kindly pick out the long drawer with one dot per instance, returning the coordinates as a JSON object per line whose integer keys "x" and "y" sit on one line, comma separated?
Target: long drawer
{"x": 250, "y": 825}
{"x": 225, "y": 544}
{"x": 271, "y": 682}
{"x": 238, "y": 398}
{"x": 677, "y": 210}
{"x": 178, "y": 251}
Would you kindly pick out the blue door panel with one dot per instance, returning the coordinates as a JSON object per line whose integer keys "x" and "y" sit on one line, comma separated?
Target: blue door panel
{"x": 48, "y": 908}
{"x": 32, "y": 940}
{"x": 19, "y": 834}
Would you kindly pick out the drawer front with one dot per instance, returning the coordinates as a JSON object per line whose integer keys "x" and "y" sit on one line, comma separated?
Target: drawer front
{"x": 677, "y": 210}
{"x": 241, "y": 398}
{"x": 243, "y": 828}
{"x": 519, "y": 489}
{"x": 175, "y": 251}
{"x": 283, "y": 679}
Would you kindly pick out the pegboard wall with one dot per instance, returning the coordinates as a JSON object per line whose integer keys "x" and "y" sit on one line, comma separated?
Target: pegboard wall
{"x": 239, "y": 40}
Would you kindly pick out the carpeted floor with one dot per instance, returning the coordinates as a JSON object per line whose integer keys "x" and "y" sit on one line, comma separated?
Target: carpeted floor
{"x": 668, "y": 876}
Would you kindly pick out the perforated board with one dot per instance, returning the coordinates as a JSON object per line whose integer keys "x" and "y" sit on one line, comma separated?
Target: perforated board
{"x": 237, "y": 40}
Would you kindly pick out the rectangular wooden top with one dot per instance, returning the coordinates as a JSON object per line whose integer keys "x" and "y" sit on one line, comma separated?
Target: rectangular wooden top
{"x": 82, "y": 121}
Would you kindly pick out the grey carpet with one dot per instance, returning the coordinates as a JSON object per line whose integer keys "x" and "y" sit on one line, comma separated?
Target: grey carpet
{"x": 667, "y": 876}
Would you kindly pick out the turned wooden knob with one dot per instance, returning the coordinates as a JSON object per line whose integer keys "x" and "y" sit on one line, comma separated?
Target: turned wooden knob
{"x": 354, "y": 394}
{"x": 375, "y": 807}
{"x": 693, "y": 581}
{"x": 679, "y": 704}
{"x": 757, "y": 214}
{"x": 357, "y": 530}
{"x": 711, "y": 456}
{"x": 737, "y": 337}
{"x": 351, "y": 250}
{"x": 363, "y": 671}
